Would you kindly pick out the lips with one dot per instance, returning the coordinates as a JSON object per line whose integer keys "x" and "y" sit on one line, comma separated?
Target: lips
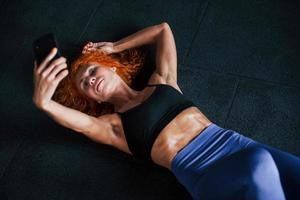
{"x": 98, "y": 85}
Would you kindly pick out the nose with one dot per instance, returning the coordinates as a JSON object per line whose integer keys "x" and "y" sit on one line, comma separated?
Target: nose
{"x": 92, "y": 80}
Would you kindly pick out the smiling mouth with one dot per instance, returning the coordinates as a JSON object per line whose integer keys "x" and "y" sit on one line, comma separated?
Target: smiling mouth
{"x": 98, "y": 86}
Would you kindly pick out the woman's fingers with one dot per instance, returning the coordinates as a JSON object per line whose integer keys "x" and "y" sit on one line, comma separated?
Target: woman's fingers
{"x": 46, "y": 78}
{"x": 46, "y": 61}
{"x": 88, "y": 50}
{"x": 53, "y": 65}
{"x": 57, "y": 69}
{"x": 90, "y": 46}
{"x": 60, "y": 76}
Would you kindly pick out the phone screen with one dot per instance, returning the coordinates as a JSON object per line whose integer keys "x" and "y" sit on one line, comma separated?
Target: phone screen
{"x": 42, "y": 47}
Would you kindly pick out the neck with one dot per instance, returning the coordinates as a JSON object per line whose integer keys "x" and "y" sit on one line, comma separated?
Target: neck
{"x": 122, "y": 95}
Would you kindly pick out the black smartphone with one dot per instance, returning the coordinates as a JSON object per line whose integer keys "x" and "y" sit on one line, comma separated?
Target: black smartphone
{"x": 42, "y": 47}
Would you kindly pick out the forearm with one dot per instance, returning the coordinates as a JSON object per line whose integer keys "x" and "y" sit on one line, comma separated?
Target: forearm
{"x": 68, "y": 117}
{"x": 145, "y": 36}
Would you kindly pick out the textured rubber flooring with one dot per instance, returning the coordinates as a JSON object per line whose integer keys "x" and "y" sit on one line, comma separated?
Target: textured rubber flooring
{"x": 238, "y": 61}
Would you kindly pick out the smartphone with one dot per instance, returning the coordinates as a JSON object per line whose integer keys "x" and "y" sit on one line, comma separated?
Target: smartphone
{"x": 42, "y": 47}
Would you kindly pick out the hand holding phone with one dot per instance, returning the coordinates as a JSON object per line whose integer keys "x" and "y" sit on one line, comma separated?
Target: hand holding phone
{"x": 47, "y": 76}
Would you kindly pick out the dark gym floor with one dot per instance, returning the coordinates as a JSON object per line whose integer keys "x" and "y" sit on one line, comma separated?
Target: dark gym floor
{"x": 238, "y": 60}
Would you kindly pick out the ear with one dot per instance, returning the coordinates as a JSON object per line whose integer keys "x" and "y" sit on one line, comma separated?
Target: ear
{"x": 114, "y": 69}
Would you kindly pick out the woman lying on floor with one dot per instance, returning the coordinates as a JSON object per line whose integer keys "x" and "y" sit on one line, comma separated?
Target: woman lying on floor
{"x": 159, "y": 123}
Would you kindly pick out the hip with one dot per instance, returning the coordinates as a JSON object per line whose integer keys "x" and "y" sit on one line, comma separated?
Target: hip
{"x": 213, "y": 144}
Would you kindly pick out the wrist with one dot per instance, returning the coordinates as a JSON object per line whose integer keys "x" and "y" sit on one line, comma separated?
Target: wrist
{"x": 46, "y": 106}
{"x": 116, "y": 48}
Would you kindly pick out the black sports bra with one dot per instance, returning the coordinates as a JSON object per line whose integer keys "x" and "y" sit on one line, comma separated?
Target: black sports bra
{"x": 143, "y": 123}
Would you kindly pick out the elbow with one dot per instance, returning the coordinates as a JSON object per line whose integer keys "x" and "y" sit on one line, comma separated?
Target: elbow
{"x": 165, "y": 25}
{"x": 158, "y": 30}
{"x": 161, "y": 28}
{"x": 165, "y": 28}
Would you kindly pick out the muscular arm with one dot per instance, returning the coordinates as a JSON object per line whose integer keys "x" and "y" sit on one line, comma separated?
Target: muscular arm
{"x": 145, "y": 36}
{"x": 46, "y": 77}
{"x": 166, "y": 55}
{"x": 90, "y": 126}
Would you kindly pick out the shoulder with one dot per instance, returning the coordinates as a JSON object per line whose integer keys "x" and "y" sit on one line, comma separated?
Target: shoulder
{"x": 155, "y": 78}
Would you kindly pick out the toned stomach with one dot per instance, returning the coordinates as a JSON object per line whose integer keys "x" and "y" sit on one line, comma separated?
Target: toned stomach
{"x": 177, "y": 134}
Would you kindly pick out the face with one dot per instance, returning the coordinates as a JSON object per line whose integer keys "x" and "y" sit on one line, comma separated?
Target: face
{"x": 96, "y": 82}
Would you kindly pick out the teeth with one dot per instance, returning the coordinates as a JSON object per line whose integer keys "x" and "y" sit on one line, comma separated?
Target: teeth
{"x": 99, "y": 85}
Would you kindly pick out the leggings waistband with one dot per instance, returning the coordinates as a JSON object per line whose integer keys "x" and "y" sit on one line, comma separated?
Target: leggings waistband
{"x": 210, "y": 145}
{"x": 197, "y": 141}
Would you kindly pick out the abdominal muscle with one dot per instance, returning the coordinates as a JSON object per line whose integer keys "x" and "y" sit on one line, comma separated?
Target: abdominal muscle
{"x": 177, "y": 134}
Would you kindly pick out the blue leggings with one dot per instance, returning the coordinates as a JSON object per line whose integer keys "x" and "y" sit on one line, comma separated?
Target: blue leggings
{"x": 222, "y": 164}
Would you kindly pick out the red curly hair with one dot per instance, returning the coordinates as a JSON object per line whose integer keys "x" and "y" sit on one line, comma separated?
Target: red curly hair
{"x": 128, "y": 63}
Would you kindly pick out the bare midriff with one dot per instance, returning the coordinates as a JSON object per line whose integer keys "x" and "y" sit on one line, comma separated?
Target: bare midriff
{"x": 188, "y": 124}
{"x": 177, "y": 134}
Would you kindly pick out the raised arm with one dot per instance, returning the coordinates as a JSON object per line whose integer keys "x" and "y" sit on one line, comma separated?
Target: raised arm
{"x": 145, "y": 36}
{"x": 94, "y": 128}
{"x": 166, "y": 55}
{"x": 46, "y": 79}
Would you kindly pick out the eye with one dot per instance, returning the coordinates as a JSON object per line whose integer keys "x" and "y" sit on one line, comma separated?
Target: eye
{"x": 93, "y": 71}
{"x": 85, "y": 84}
